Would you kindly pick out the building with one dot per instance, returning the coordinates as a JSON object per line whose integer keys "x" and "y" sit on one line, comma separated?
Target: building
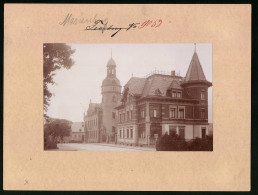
{"x": 77, "y": 132}
{"x": 211, "y": 129}
{"x": 160, "y": 103}
{"x": 103, "y": 115}
{"x": 93, "y": 123}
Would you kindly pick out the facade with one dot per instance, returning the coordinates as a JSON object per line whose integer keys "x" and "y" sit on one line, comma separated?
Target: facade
{"x": 210, "y": 128}
{"x": 93, "y": 123}
{"x": 159, "y": 104}
{"x": 104, "y": 114}
{"x": 78, "y": 133}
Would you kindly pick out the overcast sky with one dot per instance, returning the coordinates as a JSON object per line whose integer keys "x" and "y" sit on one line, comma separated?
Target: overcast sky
{"x": 75, "y": 87}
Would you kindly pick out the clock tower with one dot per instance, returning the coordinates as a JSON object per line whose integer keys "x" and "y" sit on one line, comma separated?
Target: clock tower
{"x": 111, "y": 95}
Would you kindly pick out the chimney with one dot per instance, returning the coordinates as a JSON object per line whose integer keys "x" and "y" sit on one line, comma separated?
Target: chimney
{"x": 173, "y": 73}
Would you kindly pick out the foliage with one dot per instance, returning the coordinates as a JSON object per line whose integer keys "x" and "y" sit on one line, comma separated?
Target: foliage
{"x": 171, "y": 143}
{"x": 175, "y": 143}
{"x": 199, "y": 144}
{"x": 57, "y": 128}
{"x": 49, "y": 143}
{"x": 55, "y": 56}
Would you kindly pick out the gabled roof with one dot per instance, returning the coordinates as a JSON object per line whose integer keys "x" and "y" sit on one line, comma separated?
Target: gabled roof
{"x": 93, "y": 106}
{"x": 175, "y": 85}
{"x": 195, "y": 72}
{"x": 135, "y": 85}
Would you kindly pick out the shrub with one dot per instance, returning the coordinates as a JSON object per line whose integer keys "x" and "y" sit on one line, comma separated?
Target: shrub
{"x": 49, "y": 143}
{"x": 175, "y": 143}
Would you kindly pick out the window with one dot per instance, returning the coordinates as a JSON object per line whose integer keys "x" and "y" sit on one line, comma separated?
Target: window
{"x": 182, "y": 132}
{"x": 113, "y": 115}
{"x": 174, "y": 94}
{"x": 172, "y": 130}
{"x": 142, "y": 113}
{"x": 127, "y": 115}
{"x": 130, "y": 115}
{"x": 203, "y": 132}
{"x": 114, "y": 97}
{"x": 172, "y": 113}
{"x": 203, "y": 114}
{"x": 181, "y": 113}
{"x": 120, "y": 117}
{"x": 120, "y": 133}
{"x": 80, "y": 130}
{"x": 203, "y": 95}
{"x": 154, "y": 113}
{"x": 131, "y": 133}
{"x": 179, "y": 94}
{"x": 127, "y": 135}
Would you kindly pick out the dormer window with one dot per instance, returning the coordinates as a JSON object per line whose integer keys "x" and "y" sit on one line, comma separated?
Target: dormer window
{"x": 173, "y": 94}
{"x": 176, "y": 94}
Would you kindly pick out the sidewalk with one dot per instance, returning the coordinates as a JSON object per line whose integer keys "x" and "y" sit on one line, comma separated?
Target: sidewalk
{"x": 125, "y": 146}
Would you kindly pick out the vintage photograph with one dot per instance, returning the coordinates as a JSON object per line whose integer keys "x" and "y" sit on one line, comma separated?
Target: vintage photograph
{"x": 128, "y": 97}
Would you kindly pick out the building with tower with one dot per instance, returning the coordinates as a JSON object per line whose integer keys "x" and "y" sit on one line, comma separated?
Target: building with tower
{"x": 103, "y": 115}
{"x": 162, "y": 103}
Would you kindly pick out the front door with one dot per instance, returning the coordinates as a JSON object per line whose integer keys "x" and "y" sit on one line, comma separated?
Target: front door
{"x": 203, "y": 132}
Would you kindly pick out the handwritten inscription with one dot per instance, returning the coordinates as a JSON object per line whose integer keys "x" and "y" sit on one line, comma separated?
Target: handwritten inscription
{"x": 71, "y": 20}
{"x": 99, "y": 25}
{"x": 151, "y": 23}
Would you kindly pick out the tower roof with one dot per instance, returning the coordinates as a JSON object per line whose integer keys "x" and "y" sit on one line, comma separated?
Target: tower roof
{"x": 111, "y": 81}
{"x": 111, "y": 62}
{"x": 195, "y": 72}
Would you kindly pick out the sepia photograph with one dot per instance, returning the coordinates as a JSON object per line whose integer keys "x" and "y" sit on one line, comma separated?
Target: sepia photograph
{"x": 128, "y": 97}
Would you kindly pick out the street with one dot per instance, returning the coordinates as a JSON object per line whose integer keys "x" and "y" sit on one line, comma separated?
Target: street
{"x": 100, "y": 147}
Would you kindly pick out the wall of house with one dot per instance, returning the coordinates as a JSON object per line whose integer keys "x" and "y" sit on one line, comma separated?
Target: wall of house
{"x": 188, "y": 129}
{"x": 93, "y": 127}
{"x": 77, "y": 136}
{"x": 127, "y": 137}
{"x": 198, "y": 130}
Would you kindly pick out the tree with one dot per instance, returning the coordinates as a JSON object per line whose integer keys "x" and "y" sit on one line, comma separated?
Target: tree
{"x": 57, "y": 128}
{"x": 55, "y": 56}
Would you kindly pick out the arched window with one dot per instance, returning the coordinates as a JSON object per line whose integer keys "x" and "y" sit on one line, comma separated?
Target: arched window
{"x": 114, "y": 99}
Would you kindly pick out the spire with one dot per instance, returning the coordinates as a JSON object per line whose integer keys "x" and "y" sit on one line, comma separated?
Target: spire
{"x": 111, "y": 61}
{"x": 194, "y": 47}
{"x": 195, "y": 72}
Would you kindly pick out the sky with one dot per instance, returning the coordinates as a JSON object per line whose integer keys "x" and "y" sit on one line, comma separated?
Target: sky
{"x": 75, "y": 87}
